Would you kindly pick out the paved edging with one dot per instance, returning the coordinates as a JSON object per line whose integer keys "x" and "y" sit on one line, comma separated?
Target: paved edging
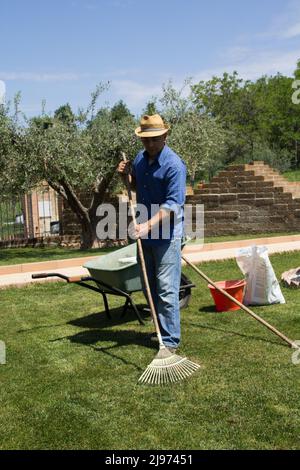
{"x": 192, "y": 248}
{"x": 241, "y": 243}
{"x": 196, "y": 255}
{"x": 44, "y": 265}
{"x": 228, "y": 253}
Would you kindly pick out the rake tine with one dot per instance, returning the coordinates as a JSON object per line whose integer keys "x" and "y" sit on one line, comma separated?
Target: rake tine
{"x": 168, "y": 369}
{"x": 169, "y": 375}
{"x": 144, "y": 376}
{"x": 173, "y": 376}
{"x": 180, "y": 373}
{"x": 152, "y": 376}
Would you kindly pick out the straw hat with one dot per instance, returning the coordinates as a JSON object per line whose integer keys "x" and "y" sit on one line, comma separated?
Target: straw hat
{"x": 151, "y": 126}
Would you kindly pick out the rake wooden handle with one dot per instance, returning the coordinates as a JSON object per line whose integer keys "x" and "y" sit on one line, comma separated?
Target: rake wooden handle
{"x": 291, "y": 343}
{"x": 143, "y": 265}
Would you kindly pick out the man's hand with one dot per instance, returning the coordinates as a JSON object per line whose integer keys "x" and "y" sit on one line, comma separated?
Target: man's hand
{"x": 139, "y": 231}
{"x": 124, "y": 167}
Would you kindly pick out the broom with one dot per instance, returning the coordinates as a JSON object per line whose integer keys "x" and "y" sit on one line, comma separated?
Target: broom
{"x": 291, "y": 343}
{"x": 166, "y": 367}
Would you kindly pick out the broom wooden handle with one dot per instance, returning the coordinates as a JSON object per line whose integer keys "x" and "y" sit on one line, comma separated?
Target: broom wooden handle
{"x": 291, "y": 343}
{"x": 142, "y": 259}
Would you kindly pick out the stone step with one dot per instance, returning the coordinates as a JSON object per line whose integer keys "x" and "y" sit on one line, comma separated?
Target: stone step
{"x": 234, "y": 207}
{"x": 211, "y": 185}
{"x": 239, "y": 198}
{"x": 219, "y": 179}
{"x": 240, "y": 167}
{"x": 254, "y": 184}
{"x": 285, "y": 195}
{"x": 232, "y": 215}
{"x": 241, "y": 172}
{"x": 198, "y": 192}
{"x": 258, "y": 163}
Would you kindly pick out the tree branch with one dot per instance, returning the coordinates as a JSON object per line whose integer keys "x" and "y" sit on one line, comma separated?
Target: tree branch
{"x": 74, "y": 202}
{"x": 58, "y": 188}
{"x": 99, "y": 192}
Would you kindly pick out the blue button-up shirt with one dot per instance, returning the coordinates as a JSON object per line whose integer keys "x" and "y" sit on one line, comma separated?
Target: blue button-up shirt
{"x": 161, "y": 185}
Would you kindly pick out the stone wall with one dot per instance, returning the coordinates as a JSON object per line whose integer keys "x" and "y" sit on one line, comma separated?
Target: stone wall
{"x": 249, "y": 199}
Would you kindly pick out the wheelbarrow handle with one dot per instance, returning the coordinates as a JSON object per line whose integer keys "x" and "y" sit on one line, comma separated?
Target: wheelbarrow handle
{"x": 40, "y": 275}
{"x": 44, "y": 275}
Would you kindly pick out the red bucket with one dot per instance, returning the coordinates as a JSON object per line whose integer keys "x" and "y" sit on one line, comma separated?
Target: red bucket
{"x": 235, "y": 288}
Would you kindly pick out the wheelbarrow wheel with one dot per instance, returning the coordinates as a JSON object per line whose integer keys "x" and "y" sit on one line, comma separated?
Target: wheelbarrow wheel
{"x": 185, "y": 292}
{"x": 184, "y": 301}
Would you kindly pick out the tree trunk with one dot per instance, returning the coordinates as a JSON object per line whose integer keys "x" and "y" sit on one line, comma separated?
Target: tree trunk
{"x": 88, "y": 234}
{"x": 86, "y": 216}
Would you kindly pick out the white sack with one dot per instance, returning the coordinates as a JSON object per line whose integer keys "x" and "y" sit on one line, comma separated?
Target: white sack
{"x": 262, "y": 286}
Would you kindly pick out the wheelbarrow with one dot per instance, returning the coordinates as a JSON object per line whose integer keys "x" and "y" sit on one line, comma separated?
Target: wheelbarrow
{"x": 118, "y": 273}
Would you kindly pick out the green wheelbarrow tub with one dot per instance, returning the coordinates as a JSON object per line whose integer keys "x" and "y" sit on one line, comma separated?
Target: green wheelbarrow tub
{"x": 118, "y": 269}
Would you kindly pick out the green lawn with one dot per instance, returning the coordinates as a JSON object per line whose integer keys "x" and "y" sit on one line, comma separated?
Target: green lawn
{"x": 293, "y": 175}
{"x": 70, "y": 381}
{"x": 245, "y": 236}
{"x": 30, "y": 255}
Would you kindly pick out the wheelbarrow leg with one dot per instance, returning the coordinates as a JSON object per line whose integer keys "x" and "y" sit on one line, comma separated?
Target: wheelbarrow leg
{"x": 125, "y": 308}
{"x": 106, "y": 305}
{"x": 136, "y": 311}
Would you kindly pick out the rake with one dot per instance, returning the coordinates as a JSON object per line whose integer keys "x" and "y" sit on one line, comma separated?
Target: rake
{"x": 291, "y": 343}
{"x": 166, "y": 367}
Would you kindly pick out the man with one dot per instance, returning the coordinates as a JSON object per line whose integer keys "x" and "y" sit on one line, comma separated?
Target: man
{"x": 159, "y": 177}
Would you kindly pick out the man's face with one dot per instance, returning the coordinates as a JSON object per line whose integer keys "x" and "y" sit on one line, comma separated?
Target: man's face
{"x": 154, "y": 145}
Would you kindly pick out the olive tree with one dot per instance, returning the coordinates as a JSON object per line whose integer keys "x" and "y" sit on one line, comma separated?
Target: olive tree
{"x": 11, "y": 138}
{"x": 77, "y": 157}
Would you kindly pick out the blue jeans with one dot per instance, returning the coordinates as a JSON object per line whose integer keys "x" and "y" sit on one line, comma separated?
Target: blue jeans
{"x": 163, "y": 265}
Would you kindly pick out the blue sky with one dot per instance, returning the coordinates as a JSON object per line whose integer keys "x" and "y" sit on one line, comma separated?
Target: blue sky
{"x": 59, "y": 50}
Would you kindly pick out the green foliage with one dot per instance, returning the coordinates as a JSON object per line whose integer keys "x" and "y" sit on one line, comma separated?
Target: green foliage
{"x": 73, "y": 153}
{"x": 280, "y": 158}
{"x": 12, "y": 136}
{"x": 230, "y": 99}
{"x": 175, "y": 103}
{"x": 151, "y": 108}
{"x": 259, "y": 115}
{"x": 201, "y": 141}
{"x": 76, "y": 149}
{"x": 279, "y": 117}
{"x": 120, "y": 111}
{"x": 195, "y": 135}
{"x": 65, "y": 114}
{"x": 297, "y": 71}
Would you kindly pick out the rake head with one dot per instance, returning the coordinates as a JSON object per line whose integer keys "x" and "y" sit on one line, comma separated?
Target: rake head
{"x": 167, "y": 367}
